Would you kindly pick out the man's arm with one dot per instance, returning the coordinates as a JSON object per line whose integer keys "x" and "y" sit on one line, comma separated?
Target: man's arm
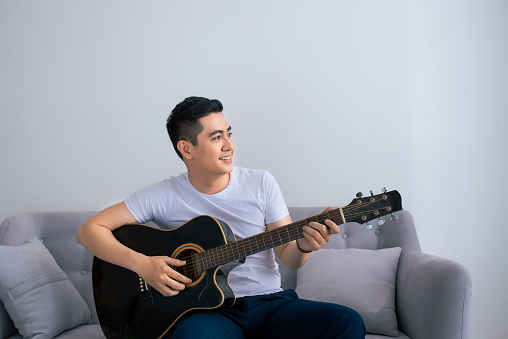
{"x": 316, "y": 235}
{"x": 96, "y": 235}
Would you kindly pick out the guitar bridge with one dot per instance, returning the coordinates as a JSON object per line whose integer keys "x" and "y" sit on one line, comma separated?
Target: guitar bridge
{"x": 146, "y": 290}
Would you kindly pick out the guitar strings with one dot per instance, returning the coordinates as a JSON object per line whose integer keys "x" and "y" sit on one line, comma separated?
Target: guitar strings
{"x": 218, "y": 258}
{"x": 222, "y": 256}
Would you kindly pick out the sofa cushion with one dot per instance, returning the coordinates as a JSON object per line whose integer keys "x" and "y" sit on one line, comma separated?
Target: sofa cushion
{"x": 37, "y": 294}
{"x": 363, "y": 280}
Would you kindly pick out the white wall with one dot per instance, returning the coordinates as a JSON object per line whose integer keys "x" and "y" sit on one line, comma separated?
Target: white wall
{"x": 331, "y": 97}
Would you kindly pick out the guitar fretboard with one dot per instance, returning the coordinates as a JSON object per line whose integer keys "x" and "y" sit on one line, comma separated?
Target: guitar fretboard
{"x": 359, "y": 210}
{"x": 263, "y": 241}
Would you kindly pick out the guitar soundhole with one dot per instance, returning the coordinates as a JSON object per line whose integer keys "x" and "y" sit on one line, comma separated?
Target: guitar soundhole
{"x": 192, "y": 268}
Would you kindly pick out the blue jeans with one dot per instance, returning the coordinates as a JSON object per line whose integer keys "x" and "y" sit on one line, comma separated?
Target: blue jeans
{"x": 278, "y": 315}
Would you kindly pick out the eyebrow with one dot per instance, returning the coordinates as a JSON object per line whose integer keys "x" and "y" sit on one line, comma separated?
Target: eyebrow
{"x": 219, "y": 131}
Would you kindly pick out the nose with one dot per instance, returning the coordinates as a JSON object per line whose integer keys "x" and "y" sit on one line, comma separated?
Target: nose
{"x": 228, "y": 144}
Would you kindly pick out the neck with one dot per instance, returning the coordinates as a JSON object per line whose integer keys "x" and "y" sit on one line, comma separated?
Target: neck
{"x": 208, "y": 183}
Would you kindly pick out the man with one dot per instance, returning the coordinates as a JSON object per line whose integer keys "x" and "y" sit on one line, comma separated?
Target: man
{"x": 250, "y": 202}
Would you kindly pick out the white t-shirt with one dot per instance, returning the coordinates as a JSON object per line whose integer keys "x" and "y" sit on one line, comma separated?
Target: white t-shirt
{"x": 251, "y": 200}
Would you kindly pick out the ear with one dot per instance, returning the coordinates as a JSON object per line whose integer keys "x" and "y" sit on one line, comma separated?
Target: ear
{"x": 185, "y": 148}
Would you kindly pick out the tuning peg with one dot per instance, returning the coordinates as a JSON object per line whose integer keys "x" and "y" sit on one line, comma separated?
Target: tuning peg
{"x": 384, "y": 190}
{"x": 371, "y": 193}
{"x": 381, "y": 222}
{"x": 359, "y": 194}
{"x": 394, "y": 217}
{"x": 369, "y": 227}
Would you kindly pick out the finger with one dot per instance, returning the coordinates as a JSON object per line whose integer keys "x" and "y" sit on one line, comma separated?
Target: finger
{"x": 163, "y": 285}
{"x": 328, "y": 209}
{"x": 321, "y": 229}
{"x": 314, "y": 236}
{"x": 173, "y": 262}
{"x": 179, "y": 277}
{"x": 167, "y": 283}
{"x": 313, "y": 245}
{"x": 173, "y": 273}
{"x": 332, "y": 227}
{"x": 167, "y": 291}
{"x": 316, "y": 241}
{"x": 175, "y": 285}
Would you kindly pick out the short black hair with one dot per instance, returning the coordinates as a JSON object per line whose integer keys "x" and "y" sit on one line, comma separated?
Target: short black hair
{"x": 183, "y": 122}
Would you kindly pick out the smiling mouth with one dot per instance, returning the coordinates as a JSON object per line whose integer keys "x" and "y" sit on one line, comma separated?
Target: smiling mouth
{"x": 225, "y": 158}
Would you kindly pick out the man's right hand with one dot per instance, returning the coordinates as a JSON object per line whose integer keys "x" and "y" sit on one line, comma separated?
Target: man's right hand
{"x": 157, "y": 272}
{"x": 96, "y": 235}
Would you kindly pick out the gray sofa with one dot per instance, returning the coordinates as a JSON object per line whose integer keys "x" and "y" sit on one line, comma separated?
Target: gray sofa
{"x": 381, "y": 272}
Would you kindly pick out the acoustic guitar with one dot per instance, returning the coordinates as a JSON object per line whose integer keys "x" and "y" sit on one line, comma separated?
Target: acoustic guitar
{"x": 129, "y": 308}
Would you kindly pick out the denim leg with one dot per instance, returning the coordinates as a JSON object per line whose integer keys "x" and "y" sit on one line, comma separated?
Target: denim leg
{"x": 207, "y": 325}
{"x": 302, "y": 318}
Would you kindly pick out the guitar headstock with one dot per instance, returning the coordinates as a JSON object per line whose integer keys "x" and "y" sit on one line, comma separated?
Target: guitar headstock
{"x": 363, "y": 209}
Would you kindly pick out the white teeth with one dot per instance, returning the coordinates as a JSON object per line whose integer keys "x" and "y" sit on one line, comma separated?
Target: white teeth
{"x": 225, "y": 158}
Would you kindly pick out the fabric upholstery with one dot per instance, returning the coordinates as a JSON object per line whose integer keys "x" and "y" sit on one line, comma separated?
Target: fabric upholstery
{"x": 416, "y": 301}
{"x": 427, "y": 292}
{"x": 363, "y": 280}
{"x": 32, "y": 285}
{"x": 57, "y": 230}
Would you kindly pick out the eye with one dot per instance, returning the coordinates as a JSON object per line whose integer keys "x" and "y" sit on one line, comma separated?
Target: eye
{"x": 230, "y": 134}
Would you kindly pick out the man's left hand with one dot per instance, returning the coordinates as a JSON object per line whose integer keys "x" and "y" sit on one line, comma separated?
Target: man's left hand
{"x": 316, "y": 235}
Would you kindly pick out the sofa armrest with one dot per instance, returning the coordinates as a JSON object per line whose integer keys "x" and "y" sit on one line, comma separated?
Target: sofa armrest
{"x": 7, "y": 328}
{"x": 433, "y": 297}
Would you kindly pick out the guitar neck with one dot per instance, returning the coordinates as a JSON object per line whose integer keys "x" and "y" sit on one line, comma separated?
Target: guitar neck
{"x": 360, "y": 210}
{"x": 242, "y": 248}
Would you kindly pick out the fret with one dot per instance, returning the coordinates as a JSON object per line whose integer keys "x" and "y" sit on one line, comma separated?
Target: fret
{"x": 224, "y": 253}
{"x": 215, "y": 255}
{"x": 219, "y": 255}
{"x": 275, "y": 238}
{"x": 245, "y": 248}
{"x": 269, "y": 239}
{"x": 250, "y": 246}
{"x": 296, "y": 233}
{"x": 240, "y": 245}
{"x": 280, "y": 239}
{"x": 259, "y": 245}
{"x": 237, "y": 251}
{"x": 208, "y": 259}
{"x": 262, "y": 242}
{"x": 287, "y": 231}
{"x": 230, "y": 251}
{"x": 249, "y": 250}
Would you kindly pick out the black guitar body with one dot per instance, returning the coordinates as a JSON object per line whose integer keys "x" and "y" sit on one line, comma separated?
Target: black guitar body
{"x": 128, "y": 308}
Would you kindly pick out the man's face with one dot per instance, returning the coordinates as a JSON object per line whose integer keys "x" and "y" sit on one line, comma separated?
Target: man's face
{"x": 214, "y": 152}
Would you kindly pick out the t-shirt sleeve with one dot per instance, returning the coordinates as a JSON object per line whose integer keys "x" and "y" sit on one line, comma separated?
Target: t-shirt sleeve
{"x": 149, "y": 203}
{"x": 275, "y": 206}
